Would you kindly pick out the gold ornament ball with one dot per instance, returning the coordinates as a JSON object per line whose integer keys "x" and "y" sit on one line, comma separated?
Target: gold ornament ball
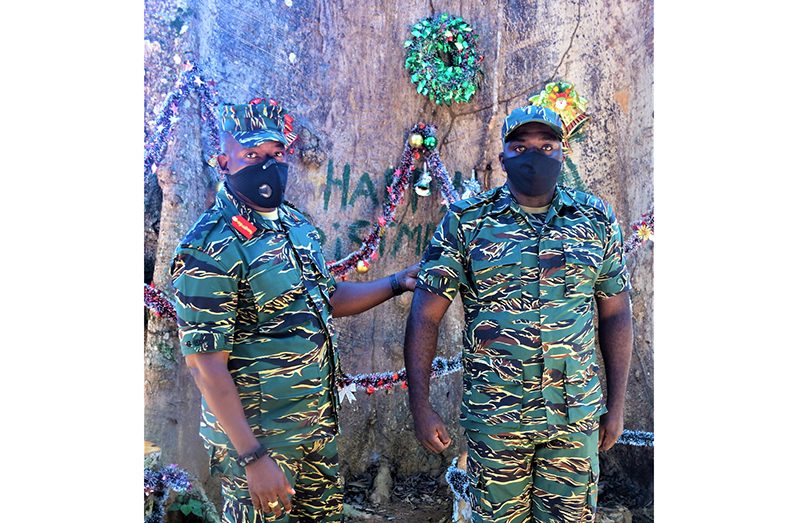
{"x": 416, "y": 140}
{"x": 362, "y": 267}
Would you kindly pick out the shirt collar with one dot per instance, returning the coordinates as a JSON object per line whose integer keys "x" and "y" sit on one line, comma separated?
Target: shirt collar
{"x": 561, "y": 199}
{"x": 232, "y": 207}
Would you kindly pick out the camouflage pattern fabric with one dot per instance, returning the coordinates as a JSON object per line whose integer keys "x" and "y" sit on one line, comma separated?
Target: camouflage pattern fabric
{"x": 255, "y": 122}
{"x": 545, "y": 477}
{"x": 264, "y": 297}
{"x": 529, "y": 114}
{"x": 311, "y": 469}
{"x": 529, "y": 343}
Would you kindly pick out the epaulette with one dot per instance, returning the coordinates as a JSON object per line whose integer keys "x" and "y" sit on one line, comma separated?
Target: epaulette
{"x": 292, "y": 206}
{"x": 204, "y": 226}
{"x": 480, "y": 199}
{"x": 589, "y": 200}
{"x": 295, "y": 211}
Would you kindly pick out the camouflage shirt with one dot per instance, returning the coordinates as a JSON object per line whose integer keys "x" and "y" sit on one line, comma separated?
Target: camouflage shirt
{"x": 527, "y": 289}
{"x": 260, "y": 290}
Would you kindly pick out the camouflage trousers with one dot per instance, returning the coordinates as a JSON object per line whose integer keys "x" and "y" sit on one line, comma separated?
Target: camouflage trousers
{"x": 311, "y": 469}
{"x": 544, "y": 477}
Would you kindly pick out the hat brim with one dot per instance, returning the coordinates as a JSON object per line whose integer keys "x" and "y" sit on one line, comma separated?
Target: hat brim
{"x": 255, "y": 138}
{"x": 533, "y": 119}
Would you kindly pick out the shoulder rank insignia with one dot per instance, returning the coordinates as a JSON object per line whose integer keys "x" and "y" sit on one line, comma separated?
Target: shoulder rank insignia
{"x": 243, "y": 226}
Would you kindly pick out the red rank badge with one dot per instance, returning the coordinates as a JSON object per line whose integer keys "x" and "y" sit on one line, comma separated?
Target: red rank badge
{"x": 243, "y": 226}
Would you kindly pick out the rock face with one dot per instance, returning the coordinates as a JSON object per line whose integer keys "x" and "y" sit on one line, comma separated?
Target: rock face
{"x": 338, "y": 66}
{"x": 616, "y": 514}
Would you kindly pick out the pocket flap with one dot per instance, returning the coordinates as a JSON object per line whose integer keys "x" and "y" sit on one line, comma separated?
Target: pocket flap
{"x": 583, "y": 253}
{"x": 493, "y": 370}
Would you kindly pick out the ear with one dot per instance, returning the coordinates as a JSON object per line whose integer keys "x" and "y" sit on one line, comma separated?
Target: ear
{"x": 501, "y": 161}
{"x": 222, "y": 161}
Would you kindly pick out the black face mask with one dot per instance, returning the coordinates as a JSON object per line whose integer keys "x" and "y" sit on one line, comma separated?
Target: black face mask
{"x": 262, "y": 184}
{"x": 533, "y": 173}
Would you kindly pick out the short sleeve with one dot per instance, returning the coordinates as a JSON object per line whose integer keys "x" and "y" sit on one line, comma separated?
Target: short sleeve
{"x": 206, "y": 296}
{"x": 441, "y": 270}
{"x": 613, "y": 277}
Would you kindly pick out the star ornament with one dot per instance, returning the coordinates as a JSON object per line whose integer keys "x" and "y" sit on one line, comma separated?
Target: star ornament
{"x": 644, "y": 232}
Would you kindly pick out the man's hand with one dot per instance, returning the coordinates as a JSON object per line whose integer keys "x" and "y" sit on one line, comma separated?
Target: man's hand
{"x": 407, "y": 277}
{"x": 268, "y": 484}
{"x": 610, "y": 429}
{"x": 353, "y": 297}
{"x": 430, "y": 430}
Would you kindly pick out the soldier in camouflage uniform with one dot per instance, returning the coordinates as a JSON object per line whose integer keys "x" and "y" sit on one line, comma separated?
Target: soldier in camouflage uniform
{"x": 254, "y": 300}
{"x": 528, "y": 259}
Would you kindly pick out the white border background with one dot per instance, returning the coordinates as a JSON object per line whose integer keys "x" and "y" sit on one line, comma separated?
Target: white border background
{"x": 725, "y": 288}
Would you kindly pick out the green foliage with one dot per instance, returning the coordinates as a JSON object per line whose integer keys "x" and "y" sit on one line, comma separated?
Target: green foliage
{"x": 187, "y": 505}
{"x": 165, "y": 349}
{"x": 442, "y": 59}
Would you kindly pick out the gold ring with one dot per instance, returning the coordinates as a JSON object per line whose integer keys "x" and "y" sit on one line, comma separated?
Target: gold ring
{"x": 273, "y": 504}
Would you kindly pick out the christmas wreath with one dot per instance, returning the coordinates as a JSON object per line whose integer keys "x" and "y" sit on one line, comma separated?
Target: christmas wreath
{"x": 443, "y": 60}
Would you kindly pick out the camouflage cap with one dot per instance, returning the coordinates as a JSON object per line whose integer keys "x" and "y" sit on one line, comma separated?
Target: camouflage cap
{"x": 256, "y": 122}
{"x": 528, "y": 114}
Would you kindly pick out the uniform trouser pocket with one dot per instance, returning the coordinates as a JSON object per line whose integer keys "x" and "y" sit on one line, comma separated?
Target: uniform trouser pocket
{"x": 499, "y": 471}
{"x": 566, "y": 473}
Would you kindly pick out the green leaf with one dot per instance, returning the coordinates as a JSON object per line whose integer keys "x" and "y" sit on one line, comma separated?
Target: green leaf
{"x": 415, "y": 32}
{"x": 185, "y": 509}
{"x": 421, "y": 85}
{"x": 196, "y": 507}
{"x": 408, "y": 43}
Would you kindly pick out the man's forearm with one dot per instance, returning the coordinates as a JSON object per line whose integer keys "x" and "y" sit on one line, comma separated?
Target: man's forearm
{"x": 615, "y": 340}
{"x": 355, "y": 297}
{"x": 221, "y": 394}
{"x": 421, "y": 339}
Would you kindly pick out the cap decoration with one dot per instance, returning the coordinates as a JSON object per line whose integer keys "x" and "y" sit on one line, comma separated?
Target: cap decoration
{"x": 562, "y": 98}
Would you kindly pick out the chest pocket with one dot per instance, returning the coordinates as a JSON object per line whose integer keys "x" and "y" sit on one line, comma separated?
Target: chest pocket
{"x": 275, "y": 285}
{"x": 582, "y": 264}
{"x": 497, "y": 277}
